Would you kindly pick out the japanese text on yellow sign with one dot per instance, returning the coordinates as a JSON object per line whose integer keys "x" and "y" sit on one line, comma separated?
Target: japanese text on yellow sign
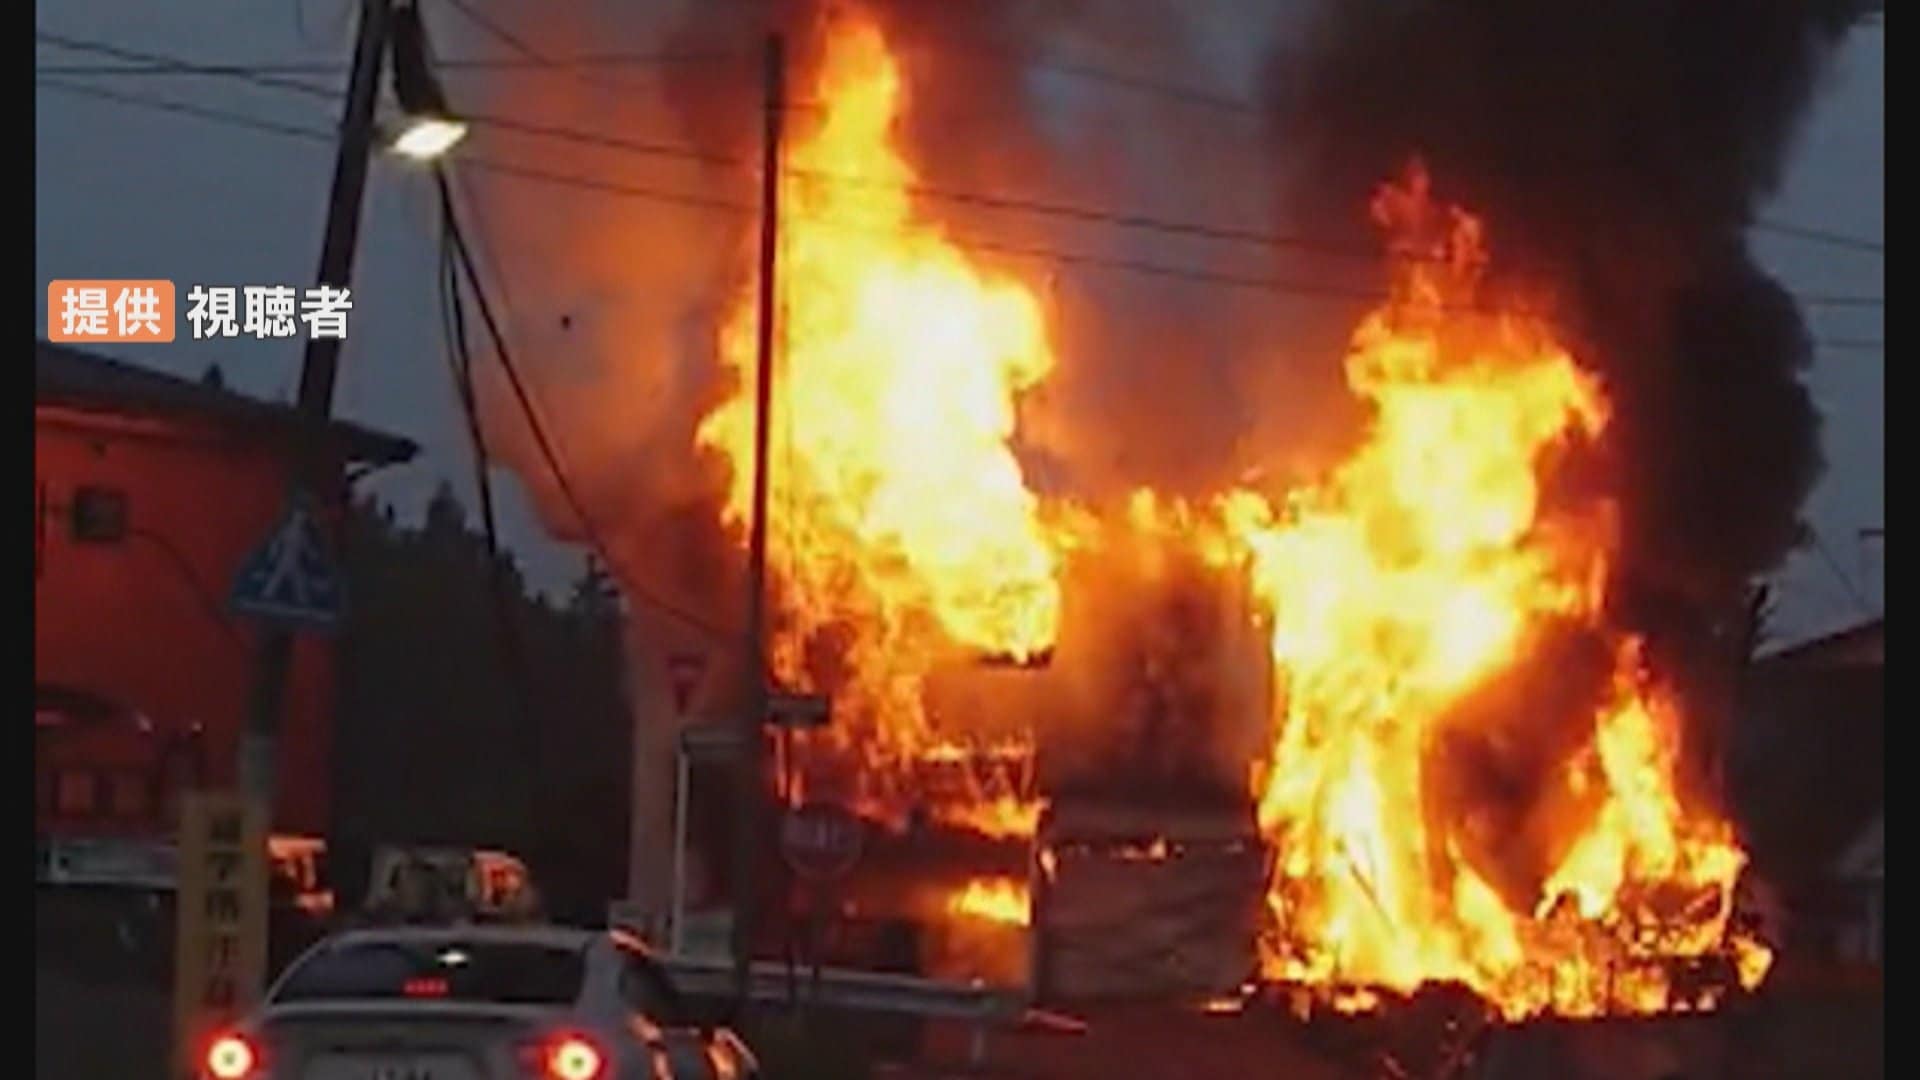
{"x": 220, "y": 960}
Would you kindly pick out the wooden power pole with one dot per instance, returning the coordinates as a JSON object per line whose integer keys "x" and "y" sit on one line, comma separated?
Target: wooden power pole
{"x": 748, "y": 821}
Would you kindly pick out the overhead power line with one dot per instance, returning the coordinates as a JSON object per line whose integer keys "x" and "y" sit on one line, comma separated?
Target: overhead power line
{"x": 1846, "y": 582}
{"x": 221, "y": 116}
{"x": 549, "y": 450}
{"x": 1086, "y": 214}
{"x": 500, "y": 33}
{"x": 185, "y": 67}
{"x": 458, "y": 65}
{"x": 1820, "y": 236}
{"x": 1035, "y": 60}
{"x": 1017, "y": 204}
{"x": 608, "y": 142}
{"x": 986, "y": 200}
{"x": 533, "y": 58}
{"x": 472, "y": 161}
{"x": 1850, "y": 344}
{"x": 1811, "y": 300}
{"x": 519, "y": 45}
{"x": 622, "y": 189}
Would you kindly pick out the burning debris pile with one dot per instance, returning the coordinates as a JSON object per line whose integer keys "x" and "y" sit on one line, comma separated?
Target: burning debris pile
{"x": 1474, "y": 778}
{"x": 1429, "y": 663}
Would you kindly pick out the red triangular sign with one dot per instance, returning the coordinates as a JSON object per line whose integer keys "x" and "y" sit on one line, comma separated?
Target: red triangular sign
{"x": 683, "y": 675}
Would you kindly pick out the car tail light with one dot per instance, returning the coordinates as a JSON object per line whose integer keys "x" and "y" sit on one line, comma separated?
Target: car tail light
{"x": 424, "y": 988}
{"x": 231, "y": 1057}
{"x": 573, "y": 1058}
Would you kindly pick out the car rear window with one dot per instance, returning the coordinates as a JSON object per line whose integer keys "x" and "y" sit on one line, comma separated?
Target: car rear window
{"x": 506, "y": 974}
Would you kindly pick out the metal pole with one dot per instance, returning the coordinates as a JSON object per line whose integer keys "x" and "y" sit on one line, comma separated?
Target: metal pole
{"x": 748, "y": 820}
{"x": 258, "y": 747}
{"x": 678, "y": 937}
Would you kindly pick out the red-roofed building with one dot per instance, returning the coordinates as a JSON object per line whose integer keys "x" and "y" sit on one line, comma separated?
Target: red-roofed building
{"x": 149, "y": 492}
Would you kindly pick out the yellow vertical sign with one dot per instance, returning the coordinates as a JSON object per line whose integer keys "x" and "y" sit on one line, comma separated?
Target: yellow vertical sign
{"x": 220, "y": 952}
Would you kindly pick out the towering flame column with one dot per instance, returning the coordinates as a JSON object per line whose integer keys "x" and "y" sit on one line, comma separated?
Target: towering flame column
{"x": 906, "y": 536}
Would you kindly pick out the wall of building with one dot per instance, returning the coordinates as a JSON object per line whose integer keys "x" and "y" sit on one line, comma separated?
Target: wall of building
{"x": 143, "y": 620}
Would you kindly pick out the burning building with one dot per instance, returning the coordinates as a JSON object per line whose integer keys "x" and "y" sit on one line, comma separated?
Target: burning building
{"x": 1435, "y": 683}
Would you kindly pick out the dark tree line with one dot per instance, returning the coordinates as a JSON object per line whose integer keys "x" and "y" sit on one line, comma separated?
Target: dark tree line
{"x": 452, "y": 732}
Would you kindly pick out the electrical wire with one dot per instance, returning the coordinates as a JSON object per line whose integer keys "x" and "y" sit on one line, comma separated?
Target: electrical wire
{"x": 183, "y": 567}
{"x": 454, "y": 65}
{"x": 987, "y": 200}
{"x": 460, "y": 366}
{"x": 1853, "y": 591}
{"x": 491, "y": 166}
{"x": 548, "y": 451}
{"x": 1812, "y": 300}
{"x": 202, "y": 112}
{"x": 1820, "y": 236}
{"x": 185, "y": 67}
{"x": 595, "y": 139}
{"x": 460, "y": 359}
{"x": 539, "y": 58}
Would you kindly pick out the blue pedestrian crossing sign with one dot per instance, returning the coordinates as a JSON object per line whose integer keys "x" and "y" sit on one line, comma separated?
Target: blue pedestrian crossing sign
{"x": 291, "y": 577}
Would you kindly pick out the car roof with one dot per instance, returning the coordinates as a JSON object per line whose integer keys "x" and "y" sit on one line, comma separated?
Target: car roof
{"x": 553, "y": 937}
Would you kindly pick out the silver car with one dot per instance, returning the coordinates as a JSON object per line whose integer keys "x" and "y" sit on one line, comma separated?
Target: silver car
{"x": 475, "y": 1003}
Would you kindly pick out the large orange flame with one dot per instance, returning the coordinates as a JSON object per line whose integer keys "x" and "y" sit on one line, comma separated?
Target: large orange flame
{"x": 1414, "y": 579}
{"x": 906, "y": 533}
{"x": 1421, "y": 570}
{"x": 1001, "y": 900}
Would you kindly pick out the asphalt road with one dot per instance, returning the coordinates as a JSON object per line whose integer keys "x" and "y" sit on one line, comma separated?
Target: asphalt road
{"x": 88, "y": 1029}
{"x": 102, "y": 1013}
{"x": 95, "y": 1030}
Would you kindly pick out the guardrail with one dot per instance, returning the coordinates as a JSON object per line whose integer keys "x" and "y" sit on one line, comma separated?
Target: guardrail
{"x": 981, "y": 1007}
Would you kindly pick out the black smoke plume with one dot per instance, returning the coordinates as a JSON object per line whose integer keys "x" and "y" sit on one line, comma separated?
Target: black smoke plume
{"x": 1617, "y": 152}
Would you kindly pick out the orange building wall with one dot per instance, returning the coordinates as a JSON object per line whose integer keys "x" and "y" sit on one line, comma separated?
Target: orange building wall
{"x": 127, "y": 620}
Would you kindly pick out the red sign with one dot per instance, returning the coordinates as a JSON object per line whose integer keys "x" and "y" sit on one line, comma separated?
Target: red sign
{"x": 683, "y": 674}
{"x": 821, "y": 840}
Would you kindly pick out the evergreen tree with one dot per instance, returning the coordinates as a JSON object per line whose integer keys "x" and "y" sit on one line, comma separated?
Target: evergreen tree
{"x": 431, "y": 746}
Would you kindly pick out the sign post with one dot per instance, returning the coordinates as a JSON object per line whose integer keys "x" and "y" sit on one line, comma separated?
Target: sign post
{"x": 220, "y": 958}
{"x": 821, "y": 843}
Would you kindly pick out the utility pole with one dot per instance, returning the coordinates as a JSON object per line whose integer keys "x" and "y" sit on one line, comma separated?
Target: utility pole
{"x": 259, "y": 742}
{"x": 747, "y": 821}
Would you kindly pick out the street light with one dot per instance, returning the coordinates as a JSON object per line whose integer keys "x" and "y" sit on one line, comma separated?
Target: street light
{"x": 427, "y": 137}
{"x": 385, "y": 27}
{"x": 429, "y": 128}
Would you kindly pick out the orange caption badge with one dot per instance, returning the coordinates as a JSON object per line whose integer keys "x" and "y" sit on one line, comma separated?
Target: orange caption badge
{"x": 109, "y": 311}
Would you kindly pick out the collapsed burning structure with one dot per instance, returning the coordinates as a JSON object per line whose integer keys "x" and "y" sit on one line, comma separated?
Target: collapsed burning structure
{"x": 1452, "y": 669}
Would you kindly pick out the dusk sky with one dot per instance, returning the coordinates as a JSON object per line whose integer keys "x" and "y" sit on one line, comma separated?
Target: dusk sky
{"x": 129, "y": 192}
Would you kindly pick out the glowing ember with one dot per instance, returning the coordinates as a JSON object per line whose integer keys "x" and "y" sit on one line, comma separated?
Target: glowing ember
{"x": 906, "y": 535}
{"x": 1416, "y": 576}
{"x": 1004, "y": 816}
{"x": 1000, "y": 900}
{"x": 1153, "y": 851}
